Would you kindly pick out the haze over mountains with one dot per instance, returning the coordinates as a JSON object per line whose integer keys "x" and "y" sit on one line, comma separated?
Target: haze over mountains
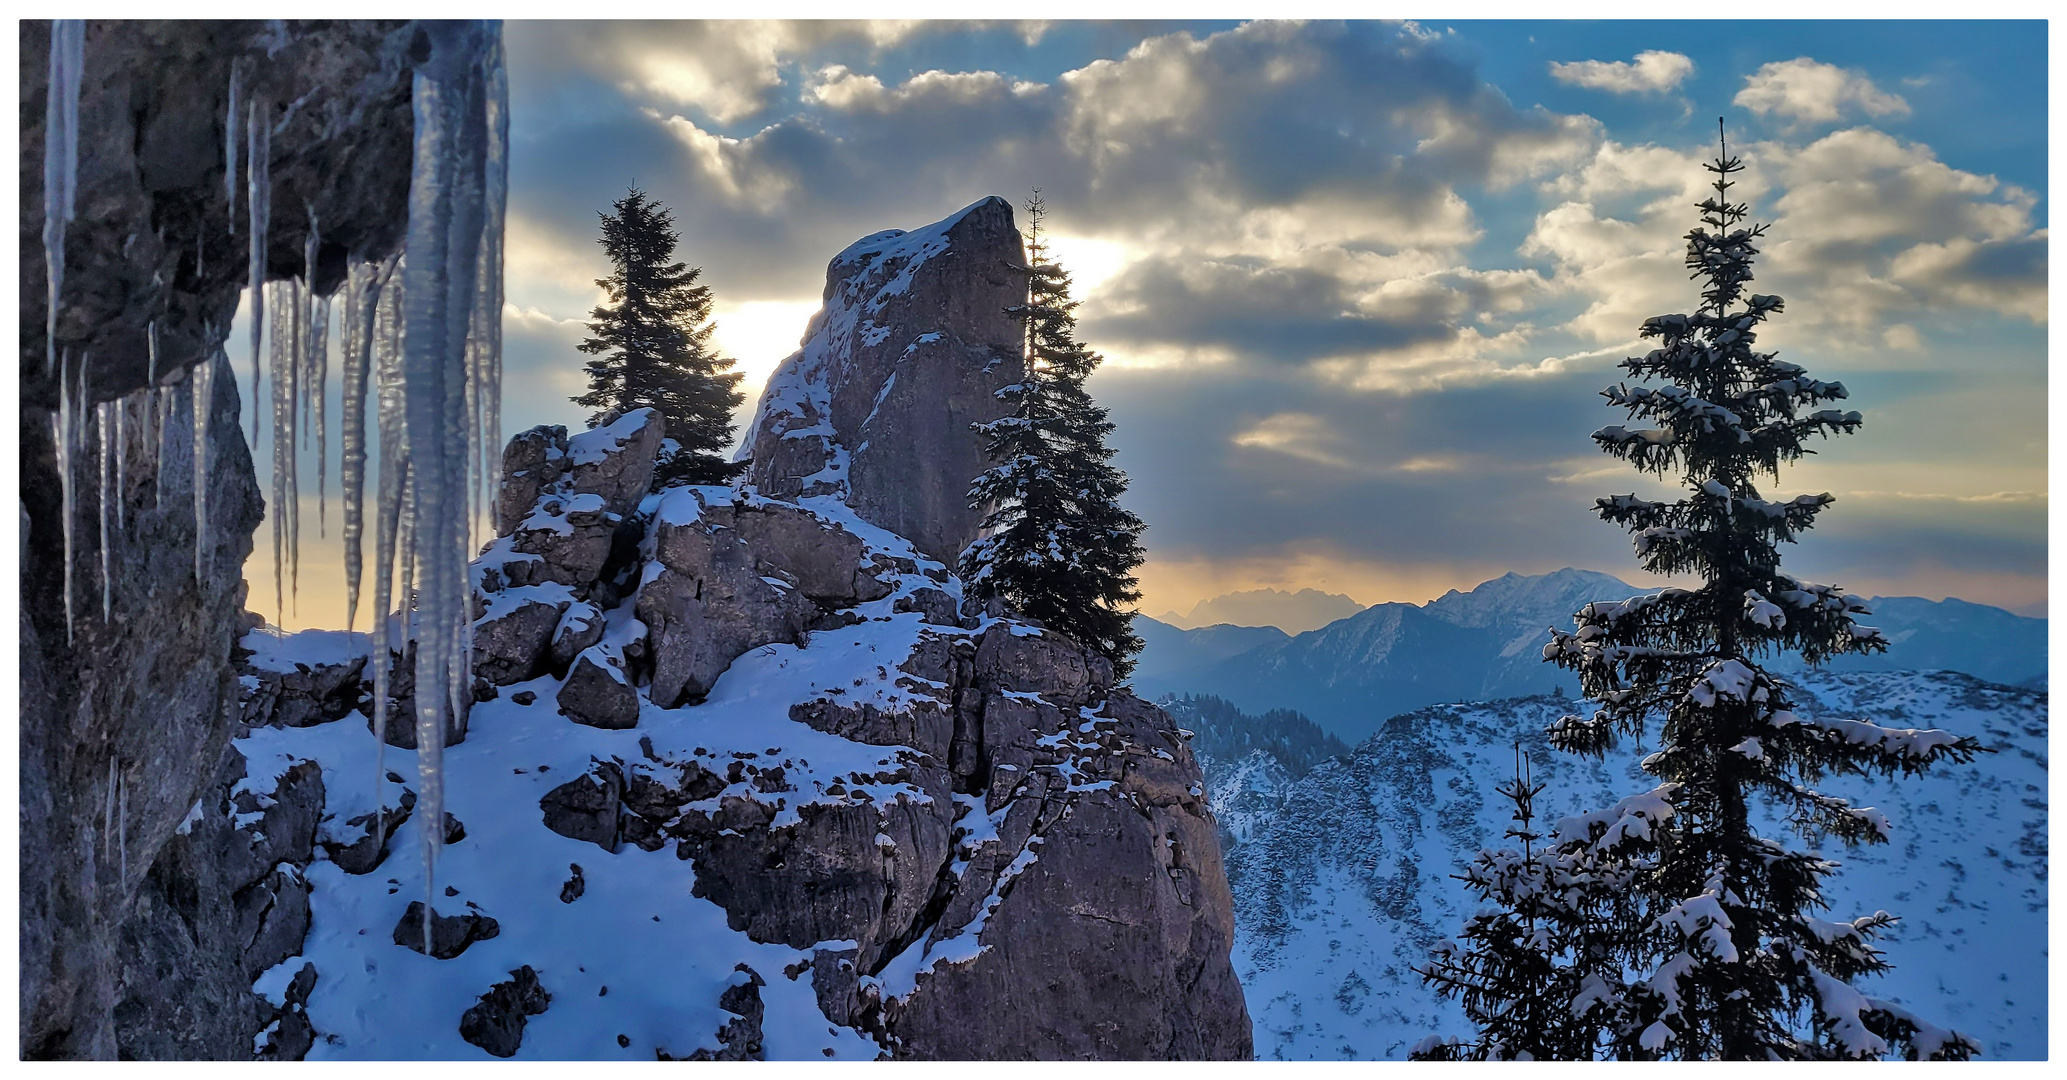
{"x": 1352, "y": 674}
{"x": 1292, "y": 612}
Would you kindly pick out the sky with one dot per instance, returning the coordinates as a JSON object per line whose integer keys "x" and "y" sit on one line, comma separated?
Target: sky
{"x": 1359, "y": 285}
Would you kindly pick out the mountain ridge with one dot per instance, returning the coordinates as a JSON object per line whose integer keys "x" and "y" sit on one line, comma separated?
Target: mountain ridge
{"x": 1482, "y": 644}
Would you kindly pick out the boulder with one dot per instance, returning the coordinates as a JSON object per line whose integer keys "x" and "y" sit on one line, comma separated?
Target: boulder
{"x": 450, "y": 934}
{"x": 710, "y": 604}
{"x": 740, "y": 1038}
{"x": 587, "y": 808}
{"x": 532, "y": 463}
{"x": 819, "y": 558}
{"x": 368, "y": 847}
{"x": 580, "y": 627}
{"x": 284, "y": 831}
{"x": 495, "y": 1023}
{"x": 272, "y": 918}
{"x": 570, "y": 534}
{"x": 925, "y": 724}
{"x": 935, "y": 605}
{"x": 514, "y": 635}
{"x": 303, "y": 694}
{"x": 614, "y": 460}
{"x": 1034, "y": 661}
{"x": 598, "y": 692}
{"x": 858, "y": 870}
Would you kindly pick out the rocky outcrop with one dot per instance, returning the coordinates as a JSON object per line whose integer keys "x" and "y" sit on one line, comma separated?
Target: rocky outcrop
{"x": 449, "y": 935}
{"x": 910, "y": 348}
{"x": 972, "y": 842}
{"x": 496, "y": 1022}
{"x": 125, "y": 719}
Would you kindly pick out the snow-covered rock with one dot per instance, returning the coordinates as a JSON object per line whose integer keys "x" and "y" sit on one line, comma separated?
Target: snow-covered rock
{"x": 909, "y": 350}
{"x": 784, "y": 803}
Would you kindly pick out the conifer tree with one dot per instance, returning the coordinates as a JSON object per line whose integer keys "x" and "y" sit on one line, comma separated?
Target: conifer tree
{"x": 1057, "y": 546}
{"x": 651, "y": 343}
{"x": 1704, "y": 936}
{"x": 1528, "y": 953}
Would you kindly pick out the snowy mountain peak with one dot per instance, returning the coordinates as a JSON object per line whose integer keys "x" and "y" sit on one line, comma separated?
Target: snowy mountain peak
{"x": 1514, "y": 599}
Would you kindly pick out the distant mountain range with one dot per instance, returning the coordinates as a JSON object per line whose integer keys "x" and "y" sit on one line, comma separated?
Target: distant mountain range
{"x": 1352, "y": 674}
{"x": 1294, "y": 612}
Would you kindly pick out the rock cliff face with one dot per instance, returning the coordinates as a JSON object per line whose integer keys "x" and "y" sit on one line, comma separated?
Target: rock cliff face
{"x": 131, "y": 931}
{"x": 751, "y": 742}
{"x": 910, "y": 348}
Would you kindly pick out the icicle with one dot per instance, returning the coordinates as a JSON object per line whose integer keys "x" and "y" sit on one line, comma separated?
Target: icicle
{"x": 103, "y": 420}
{"x": 297, "y": 415}
{"x": 364, "y": 285}
{"x": 122, "y": 408}
{"x": 448, "y": 193}
{"x": 280, "y": 297}
{"x": 384, "y": 331}
{"x": 161, "y": 422}
{"x": 229, "y": 152}
{"x": 259, "y": 194}
{"x": 122, "y": 824}
{"x": 60, "y": 163}
{"x": 203, "y": 384}
{"x": 488, "y": 313}
{"x": 306, "y": 312}
{"x": 107, "y": 814}
{"x": 61, "y": 438}
{"x": 318, "y": 381}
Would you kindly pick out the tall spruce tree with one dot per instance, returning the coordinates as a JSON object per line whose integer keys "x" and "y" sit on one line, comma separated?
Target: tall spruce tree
{"x": 1694, "y": 936}
{"x": 651, "y": 343}
{"x": 1057, "y": 546}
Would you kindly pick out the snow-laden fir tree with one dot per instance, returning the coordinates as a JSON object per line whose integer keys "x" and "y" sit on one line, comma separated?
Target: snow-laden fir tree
{"x": 1698, "y": 937}
{"x": 652, "y": 347}
{"x": 1057, "y": 546}
{"x": 1528, "y": 954}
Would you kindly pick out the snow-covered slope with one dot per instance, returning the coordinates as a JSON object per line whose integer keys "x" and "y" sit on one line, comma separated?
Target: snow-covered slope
{"x": 1342, "y": 878}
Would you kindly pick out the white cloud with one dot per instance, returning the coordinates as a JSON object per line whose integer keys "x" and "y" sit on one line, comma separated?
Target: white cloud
{"x": 1871, "y": 225}
{"x": 1652, "y": 72}
{"x": 1867, "y": 231}
{"x": 728, "y": 70}
{"x": 1806, "y": 91}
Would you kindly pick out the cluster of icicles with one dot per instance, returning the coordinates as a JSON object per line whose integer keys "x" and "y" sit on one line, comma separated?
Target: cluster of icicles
{"x": 420, "y": 330}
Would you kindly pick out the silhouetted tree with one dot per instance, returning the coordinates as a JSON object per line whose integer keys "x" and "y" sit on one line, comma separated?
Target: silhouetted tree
{"x": 651, "y": 343}
{"x": 1057, "y": 546}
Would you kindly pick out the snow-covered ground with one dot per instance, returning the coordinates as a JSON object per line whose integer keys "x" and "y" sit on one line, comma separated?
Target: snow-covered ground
{"x": 637, "y": 963}
{"x": 1342, "y": 878}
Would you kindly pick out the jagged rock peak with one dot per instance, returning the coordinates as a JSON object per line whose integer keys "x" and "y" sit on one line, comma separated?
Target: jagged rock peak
{"x": 910, "y": 348}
